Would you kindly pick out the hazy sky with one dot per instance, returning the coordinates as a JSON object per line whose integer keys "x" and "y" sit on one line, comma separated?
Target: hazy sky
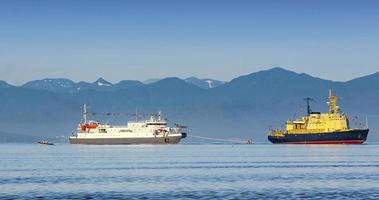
{"x": 84, "y": 40}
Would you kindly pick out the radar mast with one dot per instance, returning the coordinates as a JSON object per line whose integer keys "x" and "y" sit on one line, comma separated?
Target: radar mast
{"x": 308, "y": 99}
{"x": 333, "y": 108}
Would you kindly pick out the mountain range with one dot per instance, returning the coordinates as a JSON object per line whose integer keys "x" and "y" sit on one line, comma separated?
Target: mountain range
{"x": 245, "y": 107}
{"x": 62, "y": 85}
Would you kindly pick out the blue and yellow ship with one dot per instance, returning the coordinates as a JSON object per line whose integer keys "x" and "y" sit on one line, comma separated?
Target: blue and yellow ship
{"x": 320, "y": 128}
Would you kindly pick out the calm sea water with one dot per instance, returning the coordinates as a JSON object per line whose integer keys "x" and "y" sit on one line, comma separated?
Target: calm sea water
{"x": 189, "y": 171}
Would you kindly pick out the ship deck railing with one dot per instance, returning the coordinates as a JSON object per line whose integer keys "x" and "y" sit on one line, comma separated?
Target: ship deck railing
{"x": 305, "y": 131}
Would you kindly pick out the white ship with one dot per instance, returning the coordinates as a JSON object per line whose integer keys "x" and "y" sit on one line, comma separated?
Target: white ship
{"x": 151, "y": 131}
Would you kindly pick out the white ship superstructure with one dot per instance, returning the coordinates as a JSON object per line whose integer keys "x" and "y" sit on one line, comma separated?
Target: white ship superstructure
{"x": 154, "y": 130}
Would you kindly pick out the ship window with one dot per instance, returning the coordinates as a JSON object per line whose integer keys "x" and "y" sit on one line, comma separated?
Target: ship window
{"x": 102, "y": 130}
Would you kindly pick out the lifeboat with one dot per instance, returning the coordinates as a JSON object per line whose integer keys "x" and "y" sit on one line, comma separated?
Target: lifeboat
{"x": 87, "y": 126}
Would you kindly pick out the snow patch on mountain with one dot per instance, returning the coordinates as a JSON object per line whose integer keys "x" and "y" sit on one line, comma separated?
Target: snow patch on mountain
{"x": 210, "y": 83}
{"x": 204, "y": 83}
{"x": 102, "y": 82}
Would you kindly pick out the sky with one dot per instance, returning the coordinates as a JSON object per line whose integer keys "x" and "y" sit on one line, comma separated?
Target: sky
{"x": 138, "y": 40}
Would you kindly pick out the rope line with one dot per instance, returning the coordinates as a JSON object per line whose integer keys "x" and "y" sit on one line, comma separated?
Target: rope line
{"x": 217, "y": 139}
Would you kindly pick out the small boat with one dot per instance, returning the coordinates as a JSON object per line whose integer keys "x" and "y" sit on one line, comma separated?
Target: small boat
{"x": 45, "y": 142}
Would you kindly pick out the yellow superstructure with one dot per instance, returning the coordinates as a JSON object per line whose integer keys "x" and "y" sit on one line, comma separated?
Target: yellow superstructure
{"x": 316, "y": 122}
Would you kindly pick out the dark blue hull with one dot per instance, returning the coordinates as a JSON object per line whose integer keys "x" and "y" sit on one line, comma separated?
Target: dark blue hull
{"x": 357, "y": 136}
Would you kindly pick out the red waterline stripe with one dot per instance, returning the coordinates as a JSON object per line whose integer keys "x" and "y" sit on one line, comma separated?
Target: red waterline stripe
{"x": 329, "y": 142}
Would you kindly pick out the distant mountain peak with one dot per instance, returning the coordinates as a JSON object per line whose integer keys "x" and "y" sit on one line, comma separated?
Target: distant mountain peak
{"x": 204, "y": 83}
{"x": 4, "y": 84}
{"x": 171, "y": 79}
{"x": 127, "y": 84}
{"x": 274, "y": 78}
{"x": 63, "y": 82}
{"x": 277, "y": 70}
{"x": 102, "y": 82}
{"x": 51, "y": 84}
{"x": 273, "y": 74}
{"x": 173, "y": 83}
{"x": 151, "y": 80}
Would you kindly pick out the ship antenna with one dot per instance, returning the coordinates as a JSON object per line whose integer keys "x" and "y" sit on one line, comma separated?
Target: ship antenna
{"x": 136, "y": 114}
{"x": 85, "y": 113}
{"x": 366, "y": 123}
{"x": 308, "y": 99}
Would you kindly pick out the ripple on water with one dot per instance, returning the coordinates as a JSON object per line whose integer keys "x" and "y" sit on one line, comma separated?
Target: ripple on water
{"x": 189, "y": 172}
{"x": 208, "y": 194}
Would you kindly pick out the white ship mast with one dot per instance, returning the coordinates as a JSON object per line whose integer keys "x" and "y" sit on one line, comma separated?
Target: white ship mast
{"x": 85, "y": 113}
{"x": 159, "y": 116}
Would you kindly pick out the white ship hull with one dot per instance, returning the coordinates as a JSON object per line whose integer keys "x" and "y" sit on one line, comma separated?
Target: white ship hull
{"x": 172, "y": 139}
{"x": 151, "y": 131}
